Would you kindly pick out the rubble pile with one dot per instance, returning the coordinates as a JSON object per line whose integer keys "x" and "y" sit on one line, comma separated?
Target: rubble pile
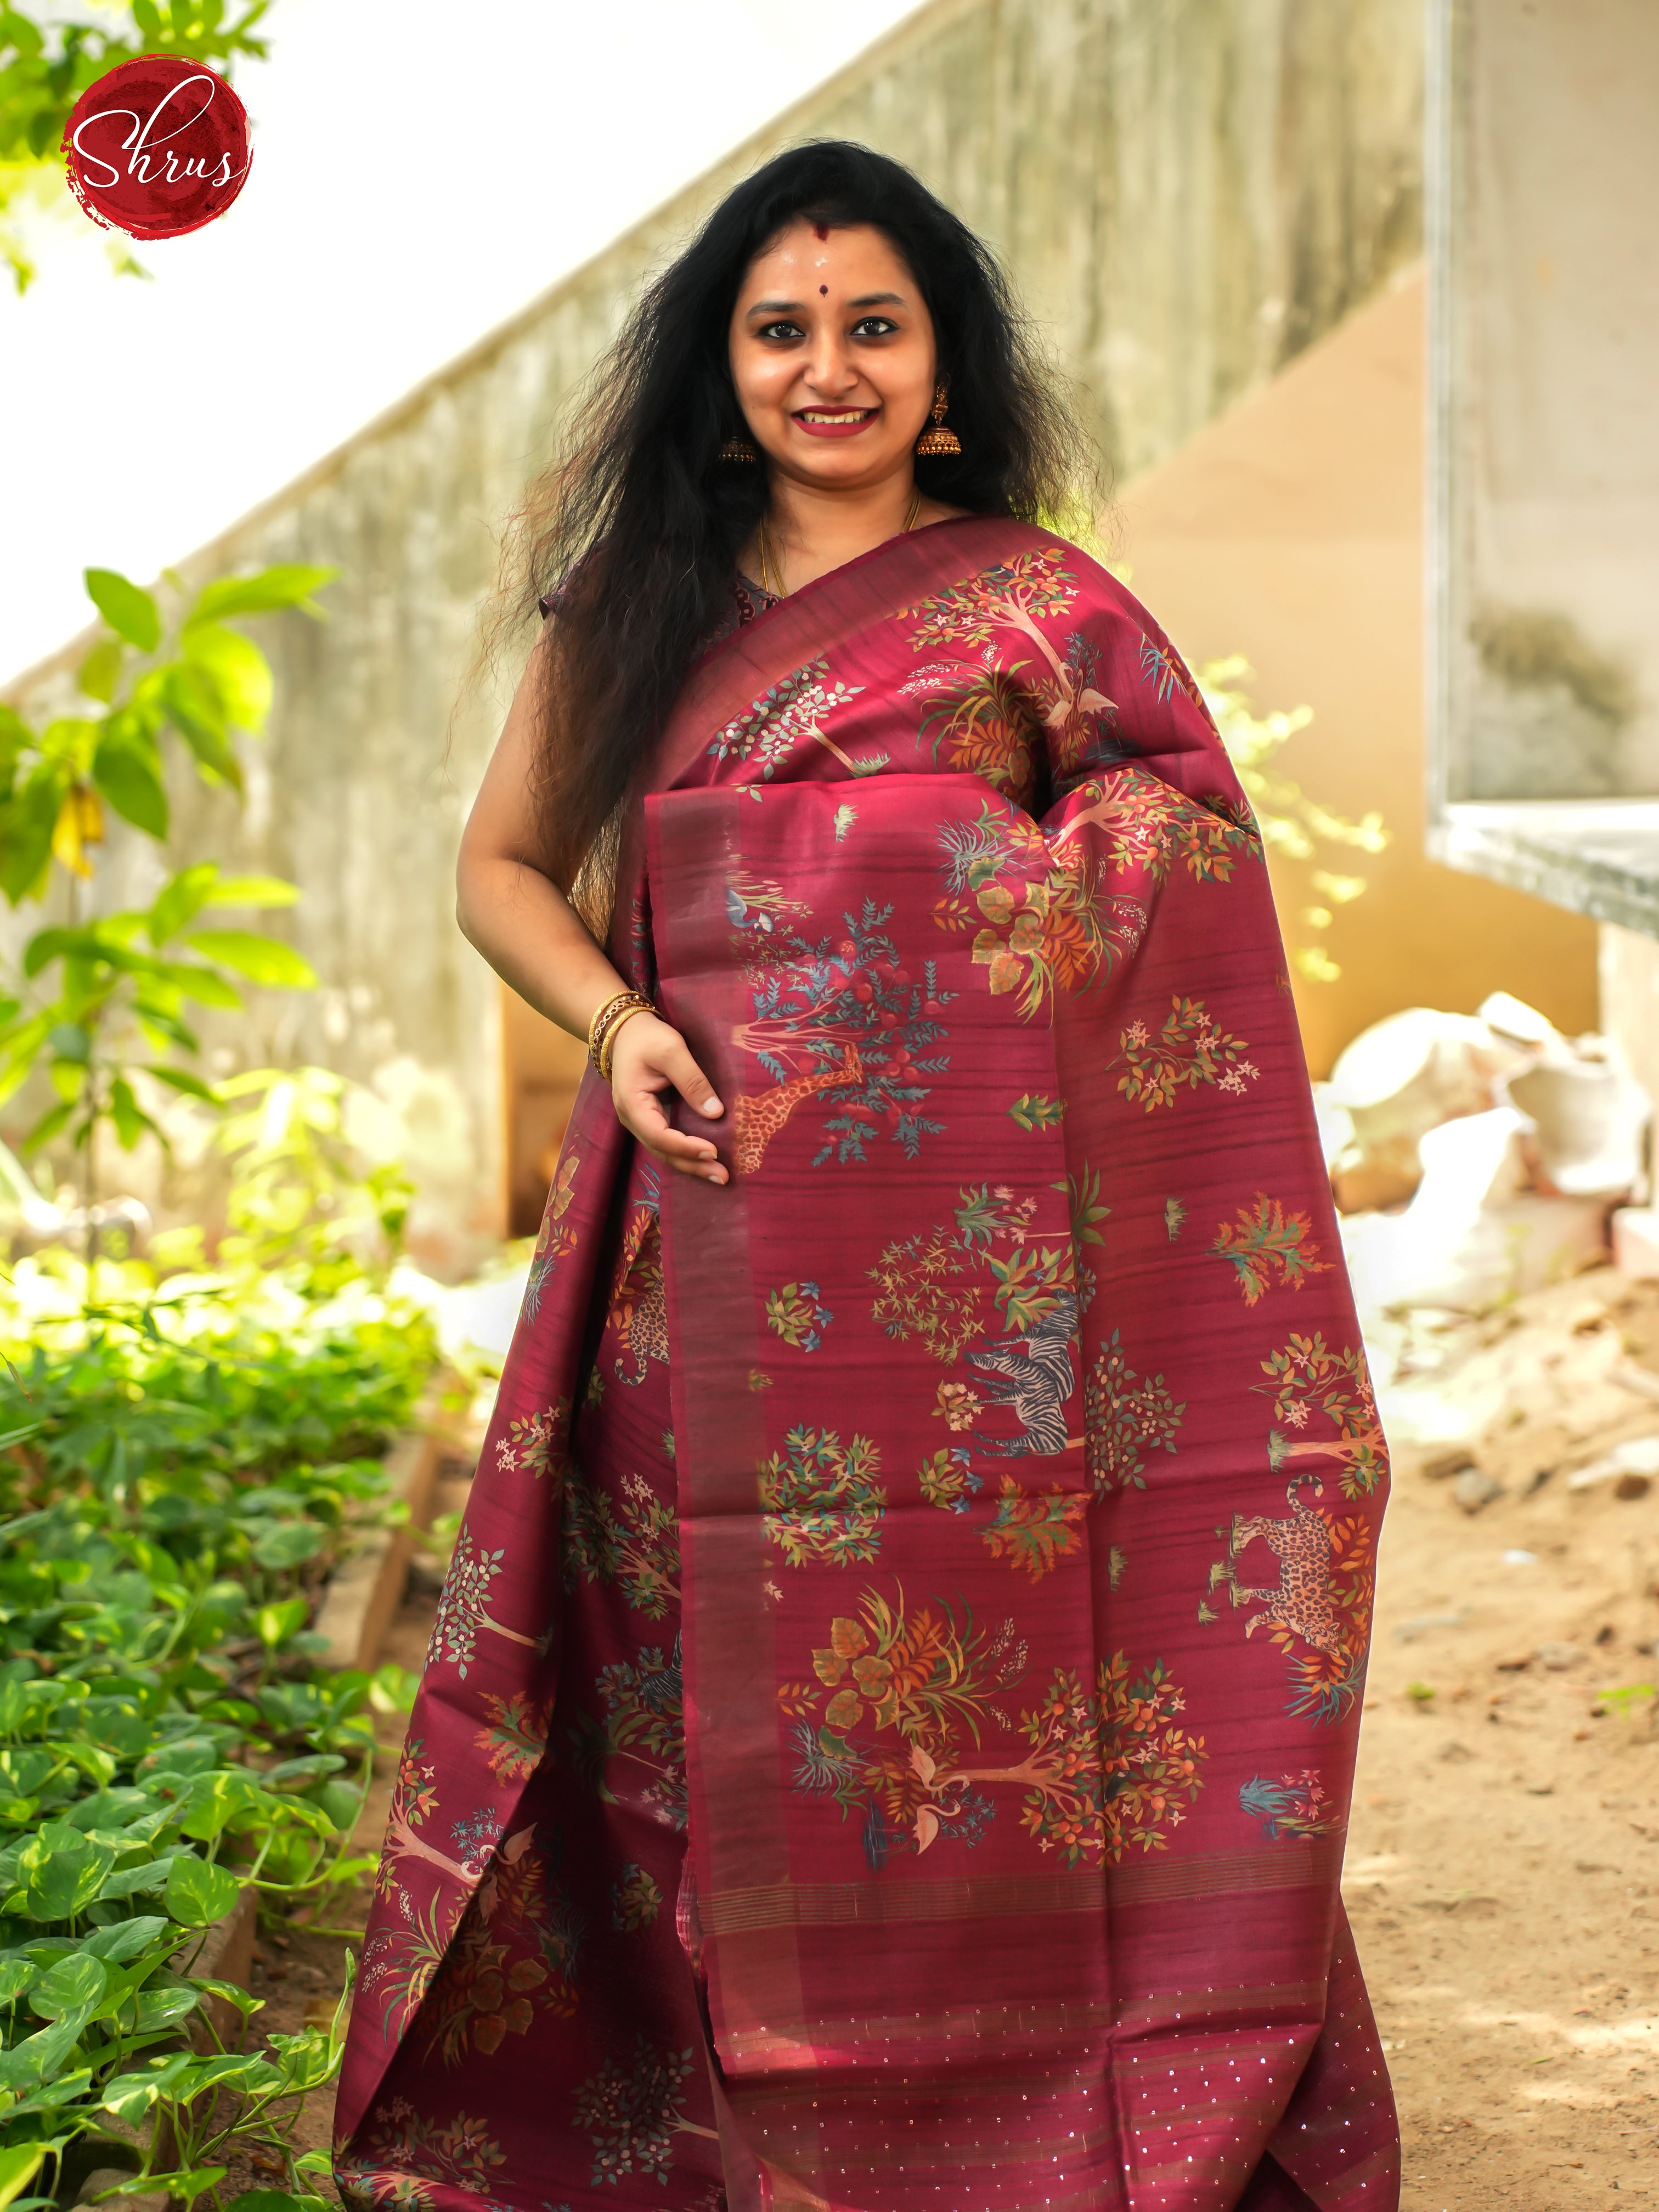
{"x": 1478, "y": 1157}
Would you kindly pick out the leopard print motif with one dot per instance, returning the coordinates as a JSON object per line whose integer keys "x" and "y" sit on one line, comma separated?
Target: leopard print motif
{"x": 638, "y": 1318}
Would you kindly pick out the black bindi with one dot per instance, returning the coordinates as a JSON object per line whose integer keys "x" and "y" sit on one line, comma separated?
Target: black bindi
{"x": 823, "y": 291}
{"x": 820, "y": 230}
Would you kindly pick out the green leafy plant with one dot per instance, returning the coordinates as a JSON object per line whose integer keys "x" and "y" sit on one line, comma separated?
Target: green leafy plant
{"x": 302, "y": 1191}
{"x": 178, "y": 1470}
{"x": 1293, "y": 826}
{"x": 102, "y": 998}
{"x": 125, "y": 980}
{"x": 47, "y": 61}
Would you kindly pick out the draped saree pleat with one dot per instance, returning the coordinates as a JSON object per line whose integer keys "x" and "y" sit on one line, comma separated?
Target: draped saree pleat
{"x": 887, "y": 1732}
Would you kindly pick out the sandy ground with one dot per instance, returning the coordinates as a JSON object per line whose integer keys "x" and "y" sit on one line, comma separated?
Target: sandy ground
{"x": 1503, "y": 1863}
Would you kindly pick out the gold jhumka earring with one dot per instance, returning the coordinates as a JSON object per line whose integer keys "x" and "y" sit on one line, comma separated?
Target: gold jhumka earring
{"x": 738, "y": 449}
{"x": 938, "y": 440}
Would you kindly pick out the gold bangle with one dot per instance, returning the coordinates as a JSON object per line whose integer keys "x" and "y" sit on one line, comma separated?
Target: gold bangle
{"x": 608, "y": 1041}
{"x": 607, "y": 1019}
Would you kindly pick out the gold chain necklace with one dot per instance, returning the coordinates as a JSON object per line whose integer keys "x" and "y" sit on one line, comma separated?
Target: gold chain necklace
{"x": 771, "y": 576}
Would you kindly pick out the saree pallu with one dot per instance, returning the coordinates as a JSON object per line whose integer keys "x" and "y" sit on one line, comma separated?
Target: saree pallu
{"x": 888, "y": 1731}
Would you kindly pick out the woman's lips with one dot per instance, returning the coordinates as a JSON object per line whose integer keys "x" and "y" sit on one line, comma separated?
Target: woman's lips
{"x": 835, "y": 424}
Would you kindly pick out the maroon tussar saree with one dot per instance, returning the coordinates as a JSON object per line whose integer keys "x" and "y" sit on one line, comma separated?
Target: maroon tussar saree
{"x": 888, "y": 1731}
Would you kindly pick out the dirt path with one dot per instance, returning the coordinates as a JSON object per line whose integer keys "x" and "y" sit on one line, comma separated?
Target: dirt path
{"x": 1502, "y": 1865}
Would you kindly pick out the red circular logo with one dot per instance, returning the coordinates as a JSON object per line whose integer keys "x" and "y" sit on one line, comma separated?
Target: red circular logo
{"x": 158, "y": 147}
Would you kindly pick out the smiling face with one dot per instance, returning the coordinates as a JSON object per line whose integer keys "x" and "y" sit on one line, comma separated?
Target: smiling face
{"x": 833, "y": 357}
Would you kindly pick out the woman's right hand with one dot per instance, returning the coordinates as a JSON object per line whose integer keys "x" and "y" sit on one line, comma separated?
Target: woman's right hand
{"x": 648, "y": 1061}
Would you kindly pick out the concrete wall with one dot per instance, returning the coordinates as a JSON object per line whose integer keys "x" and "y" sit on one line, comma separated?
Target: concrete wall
{"x": 1291, "y": 531}
{"x": 1188, "y": 192}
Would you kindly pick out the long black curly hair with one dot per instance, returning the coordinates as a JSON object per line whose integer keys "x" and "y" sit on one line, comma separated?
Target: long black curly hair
{"x": 636, "y": 528}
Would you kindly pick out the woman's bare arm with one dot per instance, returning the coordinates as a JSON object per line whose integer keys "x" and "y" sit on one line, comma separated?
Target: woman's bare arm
{"x": 510, "y": 908}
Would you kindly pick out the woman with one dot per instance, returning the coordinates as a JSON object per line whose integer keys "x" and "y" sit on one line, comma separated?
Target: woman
{"x": 887, "y": 1733}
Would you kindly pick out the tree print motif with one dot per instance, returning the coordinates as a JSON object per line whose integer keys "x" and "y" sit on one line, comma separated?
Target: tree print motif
{"x": 464, "y": 1609}
{"x": 1265, "y": 1243}
{"x": 1105, "y": 1766}
{"x": 821, "y": 1500}
{"x": 1188, "y": 1051}
{"x": 1175, "y": 1213}
{"x": 535, "y": 1443}
{"x": 1036, "y": 1530}
{"x": 798, "y": 1315}
{"x": 1290, "y": 1805}
{"x": 1319, "y": 1611}
{"x": 631, "y": 2113}
{"x": 979, "y": 721}
{"x": 635, "y": 1901}
{"x": 410, "y": 2152}
{"x": 767, "y": 732}
{"x": 946, "y": 1481}
{"x": 843, "y": 1020}
{"x": 1162, "y": 666}
{"x": 1147, "y": 825}
{"x": 1049, "y": 927}
{"x": 643, "y": 1725}
{"x": 1125, "y": 1417}
{"x": 556, "y": 1239}
{"x": 516, "y": 1736}
{"x": 1306, "y": 1378}
{"x": 1030, "y": 1111}
{"x": 514, "y": 1958}
{"x": 399, "y": 1964}
{"x": 758, "y": 907}
{"x": 638, "y": 1547}
{"x": 946, "y": 1285}
{"x": 414, "y": 1801}
{"x": 1016, "y": 595}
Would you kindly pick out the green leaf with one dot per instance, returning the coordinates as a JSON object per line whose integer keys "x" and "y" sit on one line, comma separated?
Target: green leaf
{"x": 16, "y": 1975}
{"x": 74, "y": 1983}
{"x": 181, "y": 1079}
{"x": 196, "y": 709}
{"x": 253, "y": 890}
{"x": 125, "y": 1938}
{"x": 130, "y": 613}
{"x": 100, "y": 671}
{"x": 239, "y": 669}
{"x": 197, "y": 1894}
{"x": 289, "y": 1544}
{"x": 129, "y": 1116}
{"x": 181, "y": 900}
{"x": 276, "y": 1622}
{"x": 205, "y": 985}
{"x": 163, "y": 2008}
{"x": 288, "y": 585}
{"x": 125, "y": 768}
{"x": 60, "y": 1871}
{"x": 19, "y": 2164}
{"x": 265, "y": 960}
{"x": 188, "y": 2183}
{"x": 68, "y": 1041}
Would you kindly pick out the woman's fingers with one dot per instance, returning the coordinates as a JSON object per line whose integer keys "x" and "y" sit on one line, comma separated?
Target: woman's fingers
{"x": 688, "y": 1079}
{"x": 649, "y": 1059}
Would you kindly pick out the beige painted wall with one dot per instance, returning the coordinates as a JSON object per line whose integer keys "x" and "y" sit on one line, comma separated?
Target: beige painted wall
{"x": 1188, "y": 194}
{"x": 1290, "y": 530}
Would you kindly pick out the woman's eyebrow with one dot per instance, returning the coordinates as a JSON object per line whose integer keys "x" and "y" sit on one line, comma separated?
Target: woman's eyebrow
{"x": 880, "y": 299}
{"x": 775, "y": 307}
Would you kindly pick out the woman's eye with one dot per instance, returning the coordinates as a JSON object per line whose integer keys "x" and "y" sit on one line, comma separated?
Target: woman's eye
{"x": 781, "y": 330}
{"x": 873, "y": 326}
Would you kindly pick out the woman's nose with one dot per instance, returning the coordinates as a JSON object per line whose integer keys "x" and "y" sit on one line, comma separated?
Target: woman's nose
{"x": 830, "y": 370}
